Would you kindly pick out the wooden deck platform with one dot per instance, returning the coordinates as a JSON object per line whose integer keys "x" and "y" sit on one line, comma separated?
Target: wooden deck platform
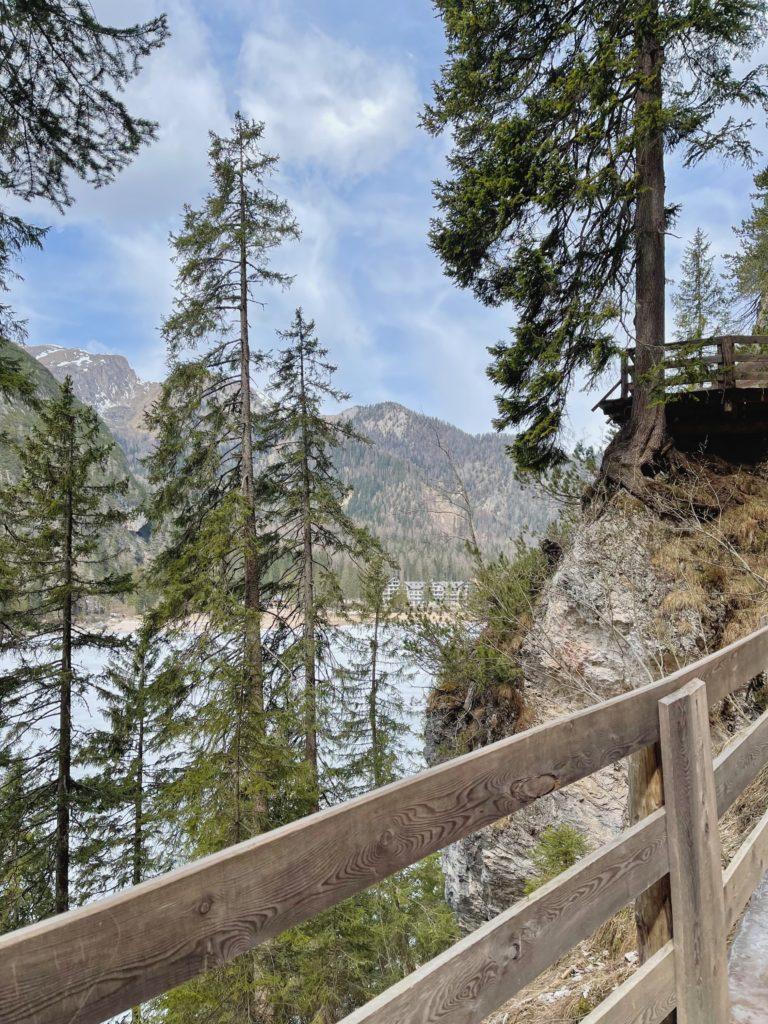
{"x": 715, "y": 392}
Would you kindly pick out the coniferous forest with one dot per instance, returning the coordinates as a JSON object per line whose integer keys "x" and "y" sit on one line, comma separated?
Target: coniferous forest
{"x": 243, "y": 700}
{"x": 276, "y": 664}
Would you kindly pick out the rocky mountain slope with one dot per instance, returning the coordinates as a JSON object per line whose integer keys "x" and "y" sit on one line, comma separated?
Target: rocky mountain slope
{"x": 638, "y": 591}
{"x": 109, "y": 384}
{"x": 16, "y": 417}
{"x": 414, "y": 485}
{"x": 406, "y": 484}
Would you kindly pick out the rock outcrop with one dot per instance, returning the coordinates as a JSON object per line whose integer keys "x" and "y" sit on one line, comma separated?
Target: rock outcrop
{"x": 623, "y": 607}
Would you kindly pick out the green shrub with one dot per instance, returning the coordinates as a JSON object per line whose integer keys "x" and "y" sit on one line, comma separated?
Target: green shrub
{"x": 558, "y": 849}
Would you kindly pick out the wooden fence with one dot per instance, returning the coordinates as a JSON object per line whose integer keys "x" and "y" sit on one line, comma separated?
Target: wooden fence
{"x": 87, "y": 965}
{"x": 720, "y": 363}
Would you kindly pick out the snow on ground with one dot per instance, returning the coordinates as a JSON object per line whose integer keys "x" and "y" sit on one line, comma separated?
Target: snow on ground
{"x": 748, "y": 967}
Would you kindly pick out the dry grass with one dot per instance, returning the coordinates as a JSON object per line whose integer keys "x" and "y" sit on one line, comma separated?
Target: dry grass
{"x": 712, "y": 544}
{"x": 580, "y": 981}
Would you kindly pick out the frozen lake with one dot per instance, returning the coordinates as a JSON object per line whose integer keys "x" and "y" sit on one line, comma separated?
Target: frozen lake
{"x": 411, "y": 682}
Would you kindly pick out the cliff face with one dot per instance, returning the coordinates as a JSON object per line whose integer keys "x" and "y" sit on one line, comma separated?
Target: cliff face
{"x": 110, "y": 385}
{"x": 637, "y": 593}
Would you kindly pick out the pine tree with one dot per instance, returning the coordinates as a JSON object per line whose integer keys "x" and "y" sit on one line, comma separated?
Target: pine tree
{"x": 55, "y": 520}
{"x": 700, "y": 301}
{"x": 372, "y": 741}
{"x": 561, "y": 115}
{"x": 309, "y": 507}
{"x": 61, "y": 75}
{"x": 133, "y": 759}
{"x": 208, "y": 494}
{"x": 749, "y": 266}
{"x": 322, "y": 970}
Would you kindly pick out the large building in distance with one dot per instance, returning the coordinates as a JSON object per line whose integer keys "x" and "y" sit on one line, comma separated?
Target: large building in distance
{"x": 450, "y": 593}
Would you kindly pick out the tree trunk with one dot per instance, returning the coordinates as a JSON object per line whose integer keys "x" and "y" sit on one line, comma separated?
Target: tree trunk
{"x": 647, "y": 425}
{"x": 653, "y": 908}
{"x": 137, "y": 853}
{"x": 633, "y": 453}
{"x": 138, "y": 796}
{"x": 308, "y": 603}
{"x": 64, "y": 766}
{"x": 253, "y": 657}
{"x": 373, "y": 708}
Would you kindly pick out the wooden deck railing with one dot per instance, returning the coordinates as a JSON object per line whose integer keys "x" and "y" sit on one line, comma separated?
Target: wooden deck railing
{"x": 85, "y": 966}
{"x": 720, "y": 363}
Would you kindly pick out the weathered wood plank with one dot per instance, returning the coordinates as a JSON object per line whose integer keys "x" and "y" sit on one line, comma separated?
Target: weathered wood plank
{"x": 696, "y": 879}
{"x": 653, "y": 907}
{"x": 739, "y": 764}
{"x": 647, "y": 997}
{"x": 489, "y": 966}
{"x": 745, "y": 871}
{"x": 735, "y": 767}
{"x": 102, "y": 959}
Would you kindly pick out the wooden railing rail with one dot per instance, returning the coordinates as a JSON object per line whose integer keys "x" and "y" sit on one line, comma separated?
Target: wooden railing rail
{"x": 90, "y": 964}
{"x": 718, "y": 363}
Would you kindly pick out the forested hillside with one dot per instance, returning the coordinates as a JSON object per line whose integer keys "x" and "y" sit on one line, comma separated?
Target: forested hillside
{"x": 406, "y": 485}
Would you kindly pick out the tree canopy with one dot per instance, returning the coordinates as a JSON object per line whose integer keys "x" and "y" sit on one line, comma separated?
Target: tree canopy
{"x": 700, "y": 300}
{"x": 560, "y": 114}
{"x": 749, "y": 266}
{"x": 61, "y": 116}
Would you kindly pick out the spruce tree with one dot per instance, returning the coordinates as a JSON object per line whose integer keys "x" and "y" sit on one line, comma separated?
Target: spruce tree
{"x": 55, "y": 521}
{"x": 208, "y": 491}
{"x": 561, "y": 115}
{"x": 309, "y": 504}
{"x": 372, "y": 741}
{"x": 749, "y": 266}
{"x": 61, "y": 75}
{"x": 134, "y": 760}
{"x": 700, "y": 300}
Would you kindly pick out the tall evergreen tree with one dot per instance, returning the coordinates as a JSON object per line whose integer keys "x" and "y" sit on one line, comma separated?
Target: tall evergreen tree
{"x": 309, "y": 507}
{"x": 133, "y": 758}
{"x": 561, "y": 115}
{"x": 700, "y": 301}
{"x": 54, "y": 522}
{"x": 749, "y": 266}
{"x": 374, "y": 732}
{"x": 207, "y": 488}
{"x": 61, "y": 75}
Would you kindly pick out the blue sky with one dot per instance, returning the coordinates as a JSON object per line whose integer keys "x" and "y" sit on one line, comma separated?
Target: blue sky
{"x": 340, "y": 84}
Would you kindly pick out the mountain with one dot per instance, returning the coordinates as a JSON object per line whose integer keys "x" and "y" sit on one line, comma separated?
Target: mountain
{"x": 16, "y": 417}
{"x": 405, "y": 484}
{"x": 109, "y": 384}
{"x": 408, "y": 484}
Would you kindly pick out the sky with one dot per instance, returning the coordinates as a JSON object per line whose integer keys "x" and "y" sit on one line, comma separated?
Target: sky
{"x": 340, "y": 85}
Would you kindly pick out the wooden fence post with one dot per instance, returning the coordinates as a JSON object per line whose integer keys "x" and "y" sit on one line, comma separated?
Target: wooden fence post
{"x": 695, "y": 871}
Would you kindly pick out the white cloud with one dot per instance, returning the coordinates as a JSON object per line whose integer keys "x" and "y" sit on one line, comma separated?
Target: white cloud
{"x": 181, "y": 88}
{"x": 326, "y": 102}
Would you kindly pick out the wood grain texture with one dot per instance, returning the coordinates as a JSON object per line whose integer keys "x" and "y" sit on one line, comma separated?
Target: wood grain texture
{"x": 653, "y": 908}
{"x": 92, "y": 963}
{"x": 489, "y": 966}
{"x": 739, "y": 763}
{"x": 696, "y": 878}
{"x": 745, "y": 871}
{"x": 647, "y": 997}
